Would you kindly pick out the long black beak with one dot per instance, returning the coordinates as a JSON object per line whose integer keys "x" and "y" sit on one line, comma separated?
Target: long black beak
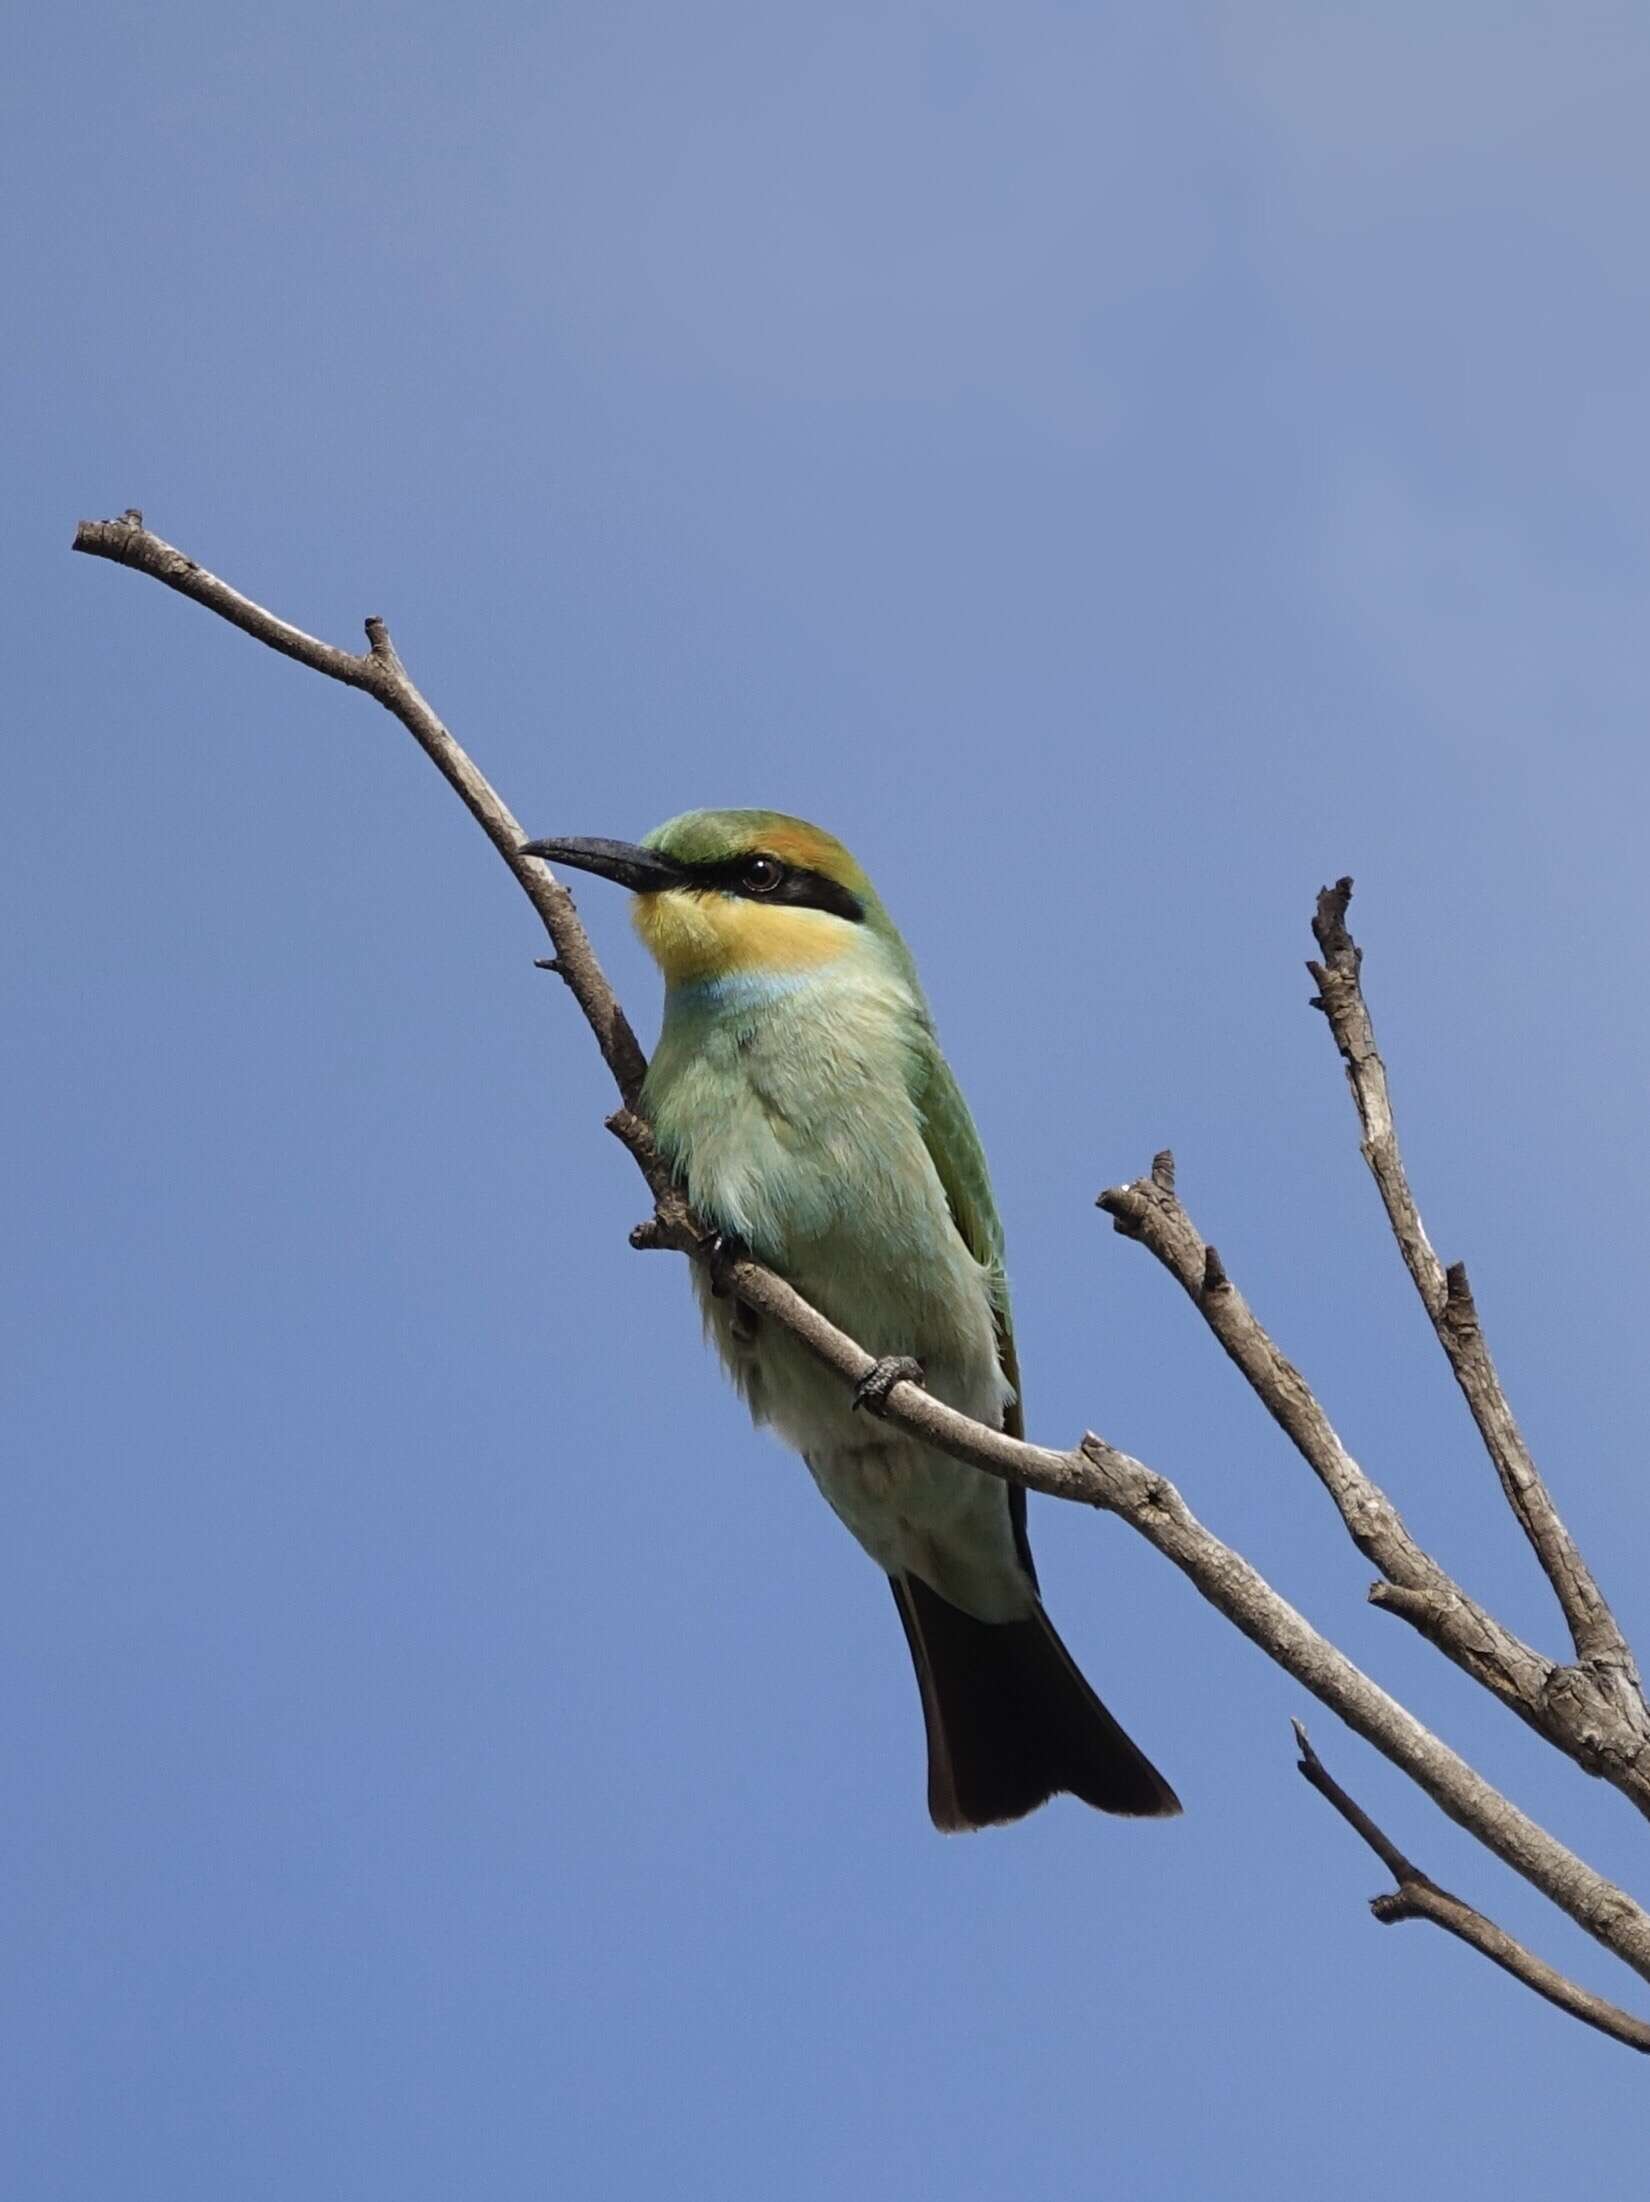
{"x": 644, "y": 871}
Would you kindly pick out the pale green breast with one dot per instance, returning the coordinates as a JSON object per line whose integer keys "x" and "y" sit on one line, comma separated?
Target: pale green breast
{"x": 784, "y": 1102}
{"x": 814, "y": 1118}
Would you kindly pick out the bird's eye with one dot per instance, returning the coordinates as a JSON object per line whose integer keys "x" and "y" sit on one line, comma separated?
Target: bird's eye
{"x": 762, "y": 875}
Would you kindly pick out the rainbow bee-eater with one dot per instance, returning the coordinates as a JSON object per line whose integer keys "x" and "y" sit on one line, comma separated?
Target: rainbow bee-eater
{"x": 801, "y": 1097}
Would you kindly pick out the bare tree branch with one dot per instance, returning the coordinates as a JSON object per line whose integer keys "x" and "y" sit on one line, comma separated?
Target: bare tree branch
{"x": 1100, "y": 1475}
{"x": 379, "y": 672}
{"x": 1567, "y": 1706}
{"x": 1447, "y": 1298}
{"x": 1091, "y": 1472}
{"x": 1418, "y": 1896}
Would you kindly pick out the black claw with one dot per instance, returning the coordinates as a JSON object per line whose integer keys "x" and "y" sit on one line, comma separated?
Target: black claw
{"x": 871, "y": 1392}
{"x": 721, "y": 1249}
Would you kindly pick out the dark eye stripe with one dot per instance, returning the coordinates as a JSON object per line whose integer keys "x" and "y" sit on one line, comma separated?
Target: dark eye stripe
{"x": 802, "y": 889}
{"x": 816, "y": 891}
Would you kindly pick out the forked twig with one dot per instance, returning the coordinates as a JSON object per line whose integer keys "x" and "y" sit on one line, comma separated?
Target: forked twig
{"x": 1571, "y": 1707}
{"x": 1418, "y": 1896}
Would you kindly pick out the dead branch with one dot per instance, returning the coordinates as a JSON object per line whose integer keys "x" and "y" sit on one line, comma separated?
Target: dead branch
{"x": 1418, "y": 1896}
{"x": 1445, "y": 1294}
{"x": 379, "y": 672}
{"x": 1091, "y": 1472}
{"x": 1567, "y": 1706}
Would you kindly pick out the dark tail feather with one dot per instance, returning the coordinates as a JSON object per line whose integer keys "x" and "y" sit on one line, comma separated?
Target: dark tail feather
{"x": 1011, "y": 1721}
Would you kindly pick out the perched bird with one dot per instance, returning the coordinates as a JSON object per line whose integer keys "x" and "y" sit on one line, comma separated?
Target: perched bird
{"x": 801, "y": 1096}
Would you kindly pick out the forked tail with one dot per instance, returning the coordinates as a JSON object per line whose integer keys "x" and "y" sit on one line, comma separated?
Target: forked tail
{"x": 1011, "y": 1722}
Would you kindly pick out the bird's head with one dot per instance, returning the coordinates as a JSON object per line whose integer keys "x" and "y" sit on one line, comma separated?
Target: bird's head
{"x": 722, "y": 894}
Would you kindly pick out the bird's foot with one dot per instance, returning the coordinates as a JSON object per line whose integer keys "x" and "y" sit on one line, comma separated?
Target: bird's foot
{"x": 871, "y": 1392}
{"x": 720, "y": 1250}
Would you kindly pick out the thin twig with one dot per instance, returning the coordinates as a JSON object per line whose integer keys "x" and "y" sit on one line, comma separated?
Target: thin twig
{"x": 1567, "y": 1706}
{"x": 1092, "y": 1472}
{"x": 1418, "y": 1896}
{"x": 379, "y": 672}
{"x": 1447, "y": 1298}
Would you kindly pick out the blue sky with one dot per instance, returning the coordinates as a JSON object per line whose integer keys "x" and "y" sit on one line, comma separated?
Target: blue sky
{"x": 1118, "y": 469}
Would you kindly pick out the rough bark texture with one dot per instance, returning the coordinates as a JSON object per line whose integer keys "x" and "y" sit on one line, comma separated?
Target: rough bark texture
{"x": 1585, "y": 1711}
{"x": 1599, "y": 1644}
{"x": 1418, "y": 1896}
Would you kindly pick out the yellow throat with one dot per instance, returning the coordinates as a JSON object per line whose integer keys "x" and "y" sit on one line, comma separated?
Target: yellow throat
{"x": 693, "y": 936}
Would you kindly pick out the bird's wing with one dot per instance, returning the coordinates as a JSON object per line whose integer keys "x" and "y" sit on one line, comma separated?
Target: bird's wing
{"x": 954, "y": 1148}
{"x": 955, "y": 1151}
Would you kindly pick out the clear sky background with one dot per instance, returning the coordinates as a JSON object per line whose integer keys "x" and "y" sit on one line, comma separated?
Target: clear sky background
{"x": 1118, "y": 468}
